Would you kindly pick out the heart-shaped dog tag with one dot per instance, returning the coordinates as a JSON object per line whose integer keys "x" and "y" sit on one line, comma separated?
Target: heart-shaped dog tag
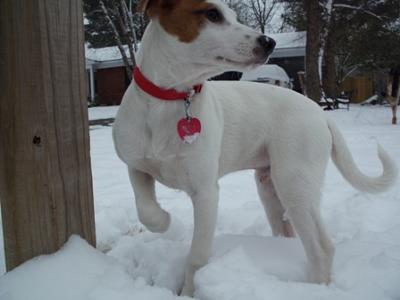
{"x": 189, "y": 129}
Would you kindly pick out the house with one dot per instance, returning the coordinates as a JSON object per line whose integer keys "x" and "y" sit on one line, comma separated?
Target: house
{"x": 107, "y": 80}
{"x": 289, "y": 54}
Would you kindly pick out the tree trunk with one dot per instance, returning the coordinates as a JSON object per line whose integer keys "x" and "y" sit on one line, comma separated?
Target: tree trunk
{"x": 329, "y": 81}
{"x": 313, "y": 12}
{"x": 45, "y": 174}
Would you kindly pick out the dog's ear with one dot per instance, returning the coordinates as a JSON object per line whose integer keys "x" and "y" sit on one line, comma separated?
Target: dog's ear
{"x": 152, "y": 6}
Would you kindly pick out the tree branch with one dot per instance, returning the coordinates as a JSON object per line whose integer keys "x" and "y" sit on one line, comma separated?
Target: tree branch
{"x": 358, "y": 8}
{"x": 117, "y": 39}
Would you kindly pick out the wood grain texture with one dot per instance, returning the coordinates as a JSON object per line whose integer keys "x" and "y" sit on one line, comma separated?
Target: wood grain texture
{"x": 45, "y": 174}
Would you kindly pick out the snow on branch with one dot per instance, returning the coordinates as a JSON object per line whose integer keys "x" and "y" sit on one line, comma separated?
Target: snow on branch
{"x": 359, "y": 8}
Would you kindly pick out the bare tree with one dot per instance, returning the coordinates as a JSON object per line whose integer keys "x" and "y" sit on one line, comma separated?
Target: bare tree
{"x": 127, "y": 29}
{"x": 263, "y": 11}
{"x": 117, "y": 37}
{"x": 129, "y": 21}
{"x": 242, "y": 10}
{"x": 337, "y": 64}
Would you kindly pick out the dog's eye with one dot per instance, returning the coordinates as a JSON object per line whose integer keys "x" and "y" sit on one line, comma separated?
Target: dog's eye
{"x": 213, "y": 15}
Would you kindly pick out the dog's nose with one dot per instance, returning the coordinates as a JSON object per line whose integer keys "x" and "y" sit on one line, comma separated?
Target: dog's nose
{"x": 267, "y": 44}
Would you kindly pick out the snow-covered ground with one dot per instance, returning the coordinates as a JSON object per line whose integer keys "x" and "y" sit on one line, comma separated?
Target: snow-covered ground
{"x": 102, "y": 112}
{"x": 132, "y": 263}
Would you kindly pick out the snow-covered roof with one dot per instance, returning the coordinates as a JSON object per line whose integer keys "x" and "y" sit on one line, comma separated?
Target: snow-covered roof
{"x": 289, "y": 44}
{"x": 265, "y": 72}
{"x": 289, "y": 39}
{"x": 107, "y": 57}
{"x": 105, "y": 54}
{"x": 89, "y": 62}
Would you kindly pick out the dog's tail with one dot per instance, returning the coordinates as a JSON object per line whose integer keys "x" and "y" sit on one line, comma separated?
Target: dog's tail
{"x": 343, "y": 160}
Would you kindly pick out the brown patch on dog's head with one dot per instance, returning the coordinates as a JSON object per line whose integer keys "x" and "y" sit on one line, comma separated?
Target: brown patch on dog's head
{"x": 181, "y": 18}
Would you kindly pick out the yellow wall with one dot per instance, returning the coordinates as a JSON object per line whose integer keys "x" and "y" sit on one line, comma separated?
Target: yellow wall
{"x": 359, "y": 88}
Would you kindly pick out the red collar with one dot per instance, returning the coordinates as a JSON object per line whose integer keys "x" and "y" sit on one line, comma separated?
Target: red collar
{"x": 160, "y": 93}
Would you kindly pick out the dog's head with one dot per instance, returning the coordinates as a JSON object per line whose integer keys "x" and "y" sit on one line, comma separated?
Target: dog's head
{"x": 207, "y": 33}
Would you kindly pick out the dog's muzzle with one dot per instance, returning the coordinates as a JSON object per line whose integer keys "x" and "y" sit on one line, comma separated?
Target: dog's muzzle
{"x": 266, "y": 46}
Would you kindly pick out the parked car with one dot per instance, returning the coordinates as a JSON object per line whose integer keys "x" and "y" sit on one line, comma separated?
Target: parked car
{"x": 272, "y": 74}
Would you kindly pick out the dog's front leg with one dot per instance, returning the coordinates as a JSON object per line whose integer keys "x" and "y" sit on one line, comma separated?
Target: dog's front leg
{"x": 205, "y": 207}
{"x": 149, "y": 211}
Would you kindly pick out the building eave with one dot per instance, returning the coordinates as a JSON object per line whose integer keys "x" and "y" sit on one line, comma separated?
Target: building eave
{"x": 289, "y": 52}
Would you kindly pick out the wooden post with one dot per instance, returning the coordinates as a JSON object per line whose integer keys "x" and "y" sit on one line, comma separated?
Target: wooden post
{"x": 302, "y": 80}
{"x": 45, "y": 175}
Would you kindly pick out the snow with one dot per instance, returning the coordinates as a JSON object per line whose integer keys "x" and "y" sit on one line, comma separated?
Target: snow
{"x": 132, "y": 263}
{"x": 77, "y": 272}
{"x": 102, "y": 112}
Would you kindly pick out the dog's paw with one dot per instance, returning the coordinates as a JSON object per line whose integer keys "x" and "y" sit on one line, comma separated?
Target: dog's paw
{"x": 161, "y": 225}
{"x": 187, "y": 290}
{"x": 318, "y": 277}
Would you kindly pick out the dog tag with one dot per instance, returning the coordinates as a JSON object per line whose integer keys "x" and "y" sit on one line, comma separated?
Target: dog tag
{"x": 189, "y": 129}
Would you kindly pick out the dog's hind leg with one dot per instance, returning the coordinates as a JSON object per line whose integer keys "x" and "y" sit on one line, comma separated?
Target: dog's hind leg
{"x": 299, "y": 191}
{"x": 274, "y": 210}
{"x": 149, "y": 211}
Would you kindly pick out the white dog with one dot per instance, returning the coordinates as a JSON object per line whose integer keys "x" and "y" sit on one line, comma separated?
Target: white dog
{"x": 281, "y": 134}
